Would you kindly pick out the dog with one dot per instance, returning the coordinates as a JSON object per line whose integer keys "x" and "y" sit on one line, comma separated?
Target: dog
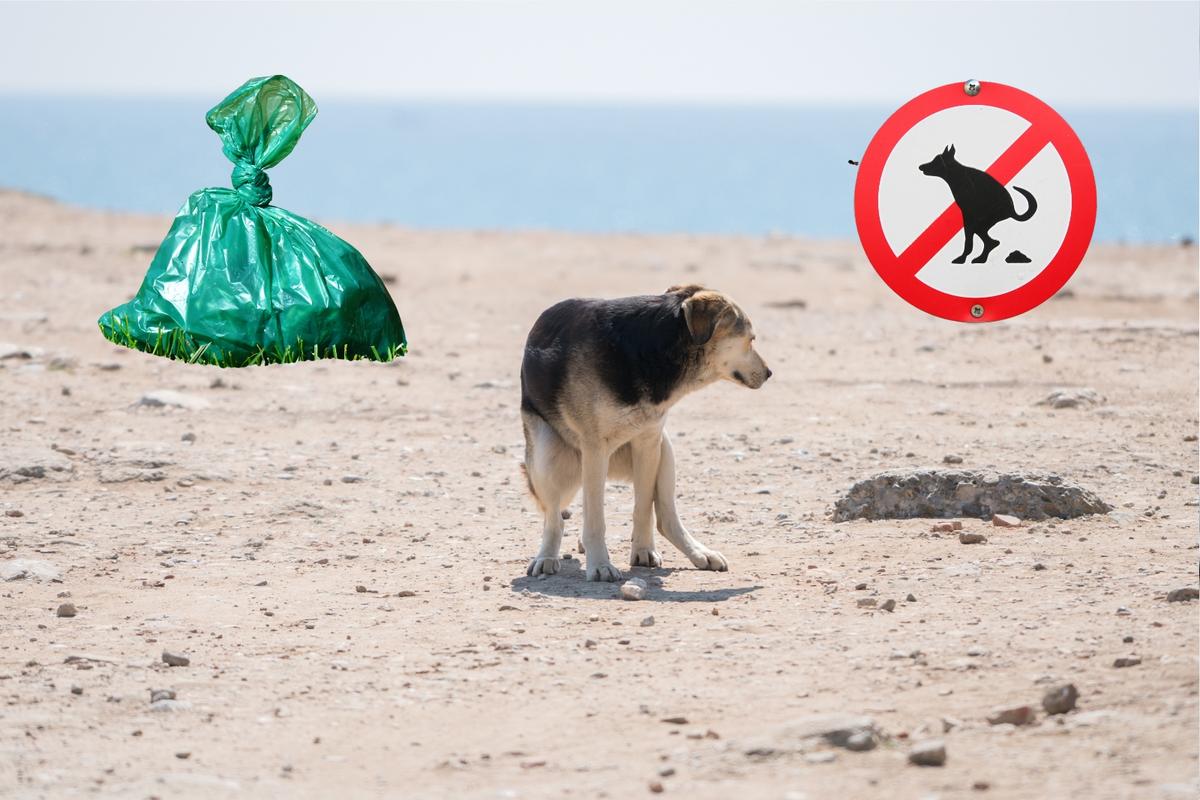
{"x": 982, "y": 199}
{"x": 597, "y": 380}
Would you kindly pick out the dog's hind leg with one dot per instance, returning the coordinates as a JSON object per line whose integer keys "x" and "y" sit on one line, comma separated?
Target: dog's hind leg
{"x": 594, "y": 463}
{"x": 968, "y": 242}
{"x": 989, "y": 244}
{"x": 646, "y": 452}
{"x": 669, "y": 524}
{"x": 553, "y": 470}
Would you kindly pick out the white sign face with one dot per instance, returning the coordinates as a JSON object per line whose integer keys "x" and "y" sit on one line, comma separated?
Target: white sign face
{"x": 957, "y": 146}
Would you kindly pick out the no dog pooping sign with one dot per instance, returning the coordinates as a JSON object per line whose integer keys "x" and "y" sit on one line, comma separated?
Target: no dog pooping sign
{"x": 975, "y": 202}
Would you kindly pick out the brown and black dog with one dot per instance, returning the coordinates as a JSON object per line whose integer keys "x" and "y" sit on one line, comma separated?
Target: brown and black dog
{"x": 597, "y": 381}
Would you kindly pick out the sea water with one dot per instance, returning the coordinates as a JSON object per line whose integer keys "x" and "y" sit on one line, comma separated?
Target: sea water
{"x": 628, "y": 168}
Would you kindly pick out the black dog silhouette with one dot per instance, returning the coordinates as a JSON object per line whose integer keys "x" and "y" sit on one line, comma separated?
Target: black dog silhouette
{"x": 982, "y": 199}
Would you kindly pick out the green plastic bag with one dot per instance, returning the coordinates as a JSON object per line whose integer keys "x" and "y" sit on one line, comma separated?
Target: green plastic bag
{"x": 239, "y": 282}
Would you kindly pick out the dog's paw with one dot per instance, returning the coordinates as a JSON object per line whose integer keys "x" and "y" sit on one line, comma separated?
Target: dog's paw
{"x": 710, "y": 559}
{"x": 542, "y": 566}
{"x": 645, "y": 557}
{"x": 979, "y": 260}
{"x": 959, "y": 260}
{"x": 604, "y": 572}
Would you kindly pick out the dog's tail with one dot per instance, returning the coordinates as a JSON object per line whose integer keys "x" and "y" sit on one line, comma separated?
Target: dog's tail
{"x": 1032, "y": 205}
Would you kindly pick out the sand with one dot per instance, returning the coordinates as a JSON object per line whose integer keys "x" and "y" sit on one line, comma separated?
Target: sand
{"x": 340, "y": 549}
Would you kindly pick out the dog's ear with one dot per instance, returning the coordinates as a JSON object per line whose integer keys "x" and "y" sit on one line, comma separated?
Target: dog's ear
{"x": 703, "y": 312}
{"x": 950, "y": 151}
{"x": 686, "y": 289}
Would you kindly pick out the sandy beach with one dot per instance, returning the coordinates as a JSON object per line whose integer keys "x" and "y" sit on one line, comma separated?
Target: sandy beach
{"x": 339, "y": 549}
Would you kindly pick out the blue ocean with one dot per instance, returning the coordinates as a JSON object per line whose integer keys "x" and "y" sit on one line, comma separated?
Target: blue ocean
{"x": 744, "y": 170}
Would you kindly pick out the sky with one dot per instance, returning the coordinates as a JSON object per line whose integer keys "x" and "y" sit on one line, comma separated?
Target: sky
{"x": 1081, "y": 54}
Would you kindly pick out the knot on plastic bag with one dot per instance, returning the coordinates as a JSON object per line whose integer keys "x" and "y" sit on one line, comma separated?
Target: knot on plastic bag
{"x": 252, "y": 184}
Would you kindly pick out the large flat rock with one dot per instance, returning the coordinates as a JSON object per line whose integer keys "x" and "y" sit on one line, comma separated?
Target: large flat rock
{"x": 936, "y": 493}
{"x": 20, "y": 464}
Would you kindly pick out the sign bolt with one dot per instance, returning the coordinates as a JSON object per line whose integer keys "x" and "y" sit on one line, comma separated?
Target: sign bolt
{"x": 977, "y": 311}
{"x": 971, "y": 87}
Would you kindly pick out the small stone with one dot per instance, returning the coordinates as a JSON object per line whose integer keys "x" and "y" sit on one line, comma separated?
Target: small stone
{"x": 957, "y": 525}
{"x": 1184, "y": 594}
{"x": 1127, "y": 640}
{"x": 1038, "y": 567}
{"x": 1071, "y": 398}
{"x": 943, "y": 527}
{"x": 13, "y": 512}
{"x": 1005, "y": 521}
{"x": 656, "y": 787}
{"x": 911, "y": 598}
{"x": 360, "y": 589}
{"x": 647, "y": 622}
{"x": 981, "y": 786}
{"x": 928, "y": 753}
{"x": 161, "y": 694}
{"x": 76, "y": 690}
{"x": 1019, "y": 715}
{"x": 675, "y": 720}
{"x": 861, "y": 741}
{"x": 666, "y": 772}
{"x": 1127, "y": 661}
{"x": 860, "y": 586}
{"x": 971, "y": 538}
{"x": 866, "y": 602}
{"x": 633, "y": 589}
{"x": 821, "y": 757}
{"x": 188, "y": 437}
{"x": 1061, "y": 699}
{"x": 950, "y": 458}
{"x": 66, "y": 610}
{"x": 174, "y": 659}
{"x": 352, "y": 479}
{"x": 889, "y": 605}
{"x": 183, "y": 755}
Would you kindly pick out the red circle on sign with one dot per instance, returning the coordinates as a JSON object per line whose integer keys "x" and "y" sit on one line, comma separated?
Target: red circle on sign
{"x": 900, "y": 271}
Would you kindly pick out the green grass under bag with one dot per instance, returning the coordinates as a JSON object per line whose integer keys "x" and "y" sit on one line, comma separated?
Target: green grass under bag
{"x": 239, "y": 282}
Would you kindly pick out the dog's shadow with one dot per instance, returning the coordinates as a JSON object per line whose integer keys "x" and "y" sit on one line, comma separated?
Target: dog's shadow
{"x": 570, "y": 582}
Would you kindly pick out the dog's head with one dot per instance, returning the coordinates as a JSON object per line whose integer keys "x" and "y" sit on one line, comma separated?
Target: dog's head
{"x": 939, "y": 165}
{"x": 724, "y": 335}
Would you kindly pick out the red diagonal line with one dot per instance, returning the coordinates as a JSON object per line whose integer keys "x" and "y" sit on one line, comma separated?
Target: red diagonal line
{"x": 950, "y": 221}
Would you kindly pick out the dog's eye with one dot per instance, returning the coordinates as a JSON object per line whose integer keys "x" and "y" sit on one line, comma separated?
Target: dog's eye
{"x": 753, "y": 337}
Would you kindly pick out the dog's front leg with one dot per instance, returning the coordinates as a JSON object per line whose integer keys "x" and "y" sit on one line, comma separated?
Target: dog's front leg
{"x": 646, "y": 452}
{"x": 595, "y": 472}
{"x": 669, "y": 524}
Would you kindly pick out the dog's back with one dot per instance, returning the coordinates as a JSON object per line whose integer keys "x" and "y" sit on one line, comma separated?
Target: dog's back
{"x": 633, "y": 349}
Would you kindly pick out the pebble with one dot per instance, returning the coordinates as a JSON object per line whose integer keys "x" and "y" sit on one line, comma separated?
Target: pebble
{"x": 950, "y": 458}
{"x": 866, "y": 602}
{"x": 647, "y": 622}
{"x": 1005, "y": 521}
{"x": 1019, "y": 715}
{"x": 911, "y": 598}
{"x": 860, "y": 586}
{"x": 860, "y": 741}
{"x": 1180, "y": 595}
{"x": 971, "y": 538}
{"x": 1061, "y": 699}
{"x": 76, "y": 689}
{"x": 175, "y": 660}
{"x": 633, "y": 589}
{"x": 66, "y": 610}
{"x": 928, "y": 753}
{"x": 944, "y": 527}
{"x": 1127, "y": 661}
{"x": 889, "y": 605}
{"x": 161, "y": 694}
{"x": 656, "y": 787}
